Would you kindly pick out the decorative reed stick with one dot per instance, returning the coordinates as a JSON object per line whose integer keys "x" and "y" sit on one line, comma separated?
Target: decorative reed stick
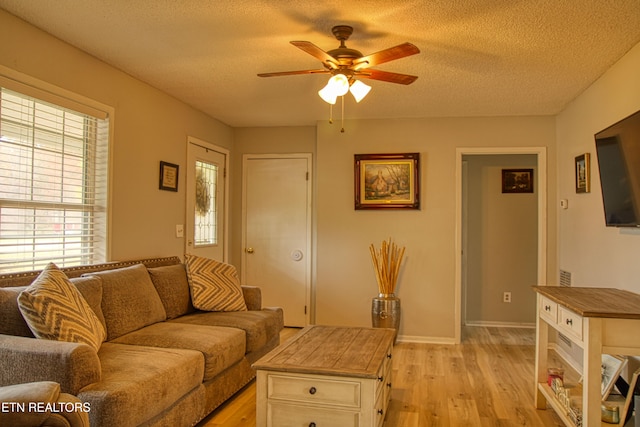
{"x": 386, "y": 264}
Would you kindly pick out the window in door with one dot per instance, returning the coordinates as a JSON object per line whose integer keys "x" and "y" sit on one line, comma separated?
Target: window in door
{"x": 206, "y": 215}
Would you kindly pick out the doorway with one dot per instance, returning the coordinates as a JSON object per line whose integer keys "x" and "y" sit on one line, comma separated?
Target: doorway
{"x": 207, "y": 192}
{"x": 538, "y": 154}
{"x": 276, "y": 232}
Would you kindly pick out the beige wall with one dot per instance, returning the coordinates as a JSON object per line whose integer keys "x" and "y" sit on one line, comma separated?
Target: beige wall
{"x": 345, "y": 281}
{"x": 148, "y": 126}
{"x": 594, "y": 254}
{"x": 502, "y": 248}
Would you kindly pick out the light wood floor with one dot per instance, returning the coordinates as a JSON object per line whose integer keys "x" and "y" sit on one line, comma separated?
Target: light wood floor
{"x": 485, "y": 381}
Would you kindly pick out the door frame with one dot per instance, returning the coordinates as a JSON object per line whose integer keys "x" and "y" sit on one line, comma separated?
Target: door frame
{"x": 541, "y": 154}
{"x": 308, "y": 254}
{"x": 225, "y": 211}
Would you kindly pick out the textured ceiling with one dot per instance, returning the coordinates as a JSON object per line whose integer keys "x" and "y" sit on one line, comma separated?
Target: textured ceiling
{"x": 478, "y": 57}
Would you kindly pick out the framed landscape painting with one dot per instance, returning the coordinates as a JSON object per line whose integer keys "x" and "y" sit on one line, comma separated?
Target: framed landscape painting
{"x": 387, "y": 181}
{"x": 517, "y": 180}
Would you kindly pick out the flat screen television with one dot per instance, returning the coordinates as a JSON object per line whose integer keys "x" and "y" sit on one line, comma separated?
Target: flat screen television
{"x": 618, "y": 152}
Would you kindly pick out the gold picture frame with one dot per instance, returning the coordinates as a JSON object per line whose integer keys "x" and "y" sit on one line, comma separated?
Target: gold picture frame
{"x": 387, "y": 181}
{"x": 583, "y": 173}
{"x": 168, "y": 176}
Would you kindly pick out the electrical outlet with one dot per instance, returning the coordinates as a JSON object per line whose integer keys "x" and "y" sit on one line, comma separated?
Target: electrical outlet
{"x": 506, "y": 297}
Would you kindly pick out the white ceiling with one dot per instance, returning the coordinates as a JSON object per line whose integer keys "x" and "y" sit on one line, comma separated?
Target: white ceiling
{"x": 478, "y": 57}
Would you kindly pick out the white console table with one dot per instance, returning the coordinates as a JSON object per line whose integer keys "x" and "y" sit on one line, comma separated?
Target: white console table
{"x": 600, "y": 321}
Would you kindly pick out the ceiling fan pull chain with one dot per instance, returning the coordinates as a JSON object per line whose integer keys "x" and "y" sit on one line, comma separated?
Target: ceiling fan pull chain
{"x": 342, "y": 130}
{"x": 330, "y": 114}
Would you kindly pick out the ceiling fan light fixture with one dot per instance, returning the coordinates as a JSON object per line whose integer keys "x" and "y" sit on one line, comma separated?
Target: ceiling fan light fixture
{"x": 359, "y": 90}
{"x": 337, "y": 86}
{"x": 327, "y": 95}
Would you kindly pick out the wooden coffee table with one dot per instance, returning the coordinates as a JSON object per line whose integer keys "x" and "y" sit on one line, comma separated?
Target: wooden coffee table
{"x": 326, "y": 376}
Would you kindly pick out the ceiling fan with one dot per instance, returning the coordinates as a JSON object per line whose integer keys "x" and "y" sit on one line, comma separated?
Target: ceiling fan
{"x": 345, "y": 65}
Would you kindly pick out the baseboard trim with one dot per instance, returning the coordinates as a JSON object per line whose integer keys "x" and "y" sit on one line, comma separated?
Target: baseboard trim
{"x": 426, "y": 340}
{"x": 500, "y": 324}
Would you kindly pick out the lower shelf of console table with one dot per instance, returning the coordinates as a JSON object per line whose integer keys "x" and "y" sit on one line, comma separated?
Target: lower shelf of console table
{"x": 598, "y": 320}
{"x": 569, "y": 419}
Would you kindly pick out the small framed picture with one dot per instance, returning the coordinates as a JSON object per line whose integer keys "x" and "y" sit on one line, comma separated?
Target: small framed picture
{"x": 517, "y": 180}
{"x": 387, "y": 181}
{"x": 168, "y": 176}
{"x": 583, "y": 173}
{"x": 611, "y": 368}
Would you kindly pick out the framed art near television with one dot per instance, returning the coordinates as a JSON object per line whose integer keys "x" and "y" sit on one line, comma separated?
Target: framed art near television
{"x": 583, "y": 173}
{"x": 387, "y": 181}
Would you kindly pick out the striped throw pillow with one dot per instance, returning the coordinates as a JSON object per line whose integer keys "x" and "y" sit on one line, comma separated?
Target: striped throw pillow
{"x": 214, "y": 285}
{"x": 55, "y": 310}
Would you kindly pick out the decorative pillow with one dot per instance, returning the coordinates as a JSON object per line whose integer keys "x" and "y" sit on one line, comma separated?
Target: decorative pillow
{"x": 54, "y": 309}
{"x": 214, "y": 285}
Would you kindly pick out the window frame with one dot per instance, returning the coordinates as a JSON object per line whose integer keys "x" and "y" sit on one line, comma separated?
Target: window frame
{"x": 53, "y": 95}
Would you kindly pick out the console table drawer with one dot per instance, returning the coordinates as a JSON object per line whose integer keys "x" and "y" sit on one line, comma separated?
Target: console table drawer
{"x": 282, "y": 414}
{"x": 314, "y": 390}
{"x": 548, "y": 309}
{"x": 570, "y": 322}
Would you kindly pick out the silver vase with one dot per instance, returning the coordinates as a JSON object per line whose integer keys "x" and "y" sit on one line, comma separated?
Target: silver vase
{"x": 385, "y": 312}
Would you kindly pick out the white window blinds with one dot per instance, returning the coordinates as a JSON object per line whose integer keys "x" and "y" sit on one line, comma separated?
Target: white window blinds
{"x": 53, "y": 184}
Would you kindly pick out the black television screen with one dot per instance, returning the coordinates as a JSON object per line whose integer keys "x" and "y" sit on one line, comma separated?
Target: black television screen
{"x": 618, "y": 151}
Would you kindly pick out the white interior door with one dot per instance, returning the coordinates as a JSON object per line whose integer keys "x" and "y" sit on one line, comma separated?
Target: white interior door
{"x": 206, "y": 230}
{"x": 277, "y": 232}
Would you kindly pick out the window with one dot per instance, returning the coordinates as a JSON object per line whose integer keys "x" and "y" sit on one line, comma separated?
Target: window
{"x": 53, "y": 184}
{"x": 206, "y": 220}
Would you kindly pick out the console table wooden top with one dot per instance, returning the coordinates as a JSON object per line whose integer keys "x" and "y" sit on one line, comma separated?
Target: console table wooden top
{"x": 331, "y": 350}
{"x": 595, "y": 302}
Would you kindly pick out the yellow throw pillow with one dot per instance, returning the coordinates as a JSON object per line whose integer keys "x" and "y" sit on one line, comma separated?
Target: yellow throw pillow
{"x": 55, "y": 310}
{"x": 214, "y": 285}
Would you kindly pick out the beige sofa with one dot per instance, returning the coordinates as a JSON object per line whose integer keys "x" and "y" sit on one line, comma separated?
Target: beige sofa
{"x": 163, "y": 363}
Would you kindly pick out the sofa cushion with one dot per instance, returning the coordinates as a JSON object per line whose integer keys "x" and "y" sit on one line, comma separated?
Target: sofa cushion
{"x": 91, "y": 290}
{"x": 260, "y": 326}
{"x": 129, "y": 300}
{"x": 214, "y": 285}
{"x": 221, "y": 347}
{"x": 11, "y": 320}
{"x": 172, "y": 286}
{"x": 140, "y": 382}
{"x": 54, "y": 309}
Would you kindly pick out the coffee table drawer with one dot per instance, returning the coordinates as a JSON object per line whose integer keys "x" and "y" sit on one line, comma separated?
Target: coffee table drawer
{"x": 281, "y": 414}
{"x": 342, "y": 393}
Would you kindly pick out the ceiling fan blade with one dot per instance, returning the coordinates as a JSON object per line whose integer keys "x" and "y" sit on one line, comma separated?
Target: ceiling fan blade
{"x": 293, "y": 73}
{"x": 386, "y": 55}
{"x": 313, "y": 50}
{"x": 385, "y": 76}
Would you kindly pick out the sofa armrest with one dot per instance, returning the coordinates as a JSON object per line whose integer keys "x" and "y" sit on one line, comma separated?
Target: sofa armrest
{"x": 25, "y": 405}
{"x": 24, "y": 360}
{"x": 252, "y": 297}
